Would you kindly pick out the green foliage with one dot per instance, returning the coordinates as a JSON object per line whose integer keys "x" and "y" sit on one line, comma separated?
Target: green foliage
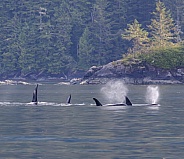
{"x": 100, "y": 42}
{"x": 86, "y": 49}
{"x": 166, "y": 57}
{"x": 143, "y": 10}
{"x": 162, "y": 51}
{"x": 55, "y": 37}
{"x": 138, "y": 35}
{"x": 162, "y": 26}
{"x": 177, "y": 7}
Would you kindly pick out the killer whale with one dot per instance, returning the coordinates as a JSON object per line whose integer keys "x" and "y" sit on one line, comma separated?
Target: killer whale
{"x": 69, "y": 99}
{"x": 127, "y": 103}
{"x": 154, "y": 104}
{"x": 35, "y": 95}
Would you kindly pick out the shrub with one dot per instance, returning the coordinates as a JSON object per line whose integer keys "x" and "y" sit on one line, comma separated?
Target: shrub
{"x": 165, "y": 57}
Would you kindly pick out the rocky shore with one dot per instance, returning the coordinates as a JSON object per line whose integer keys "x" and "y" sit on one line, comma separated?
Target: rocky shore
{"x": 134, "y": 73}
{"x": 131, "y": 73}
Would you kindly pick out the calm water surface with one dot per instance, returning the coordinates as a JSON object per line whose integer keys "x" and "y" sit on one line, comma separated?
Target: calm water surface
{"x": 54, "y": 130}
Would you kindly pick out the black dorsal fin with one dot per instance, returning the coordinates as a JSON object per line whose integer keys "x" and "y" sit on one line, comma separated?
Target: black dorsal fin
{"x": 69, "y": 99}
{"x": 128, "y": 102}
{"x": 97, "y": 102}
{"x": 35, "y": 95}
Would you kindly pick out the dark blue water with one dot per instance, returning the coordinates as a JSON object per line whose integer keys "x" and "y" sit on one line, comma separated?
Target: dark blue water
{"x": 55, "y": 130}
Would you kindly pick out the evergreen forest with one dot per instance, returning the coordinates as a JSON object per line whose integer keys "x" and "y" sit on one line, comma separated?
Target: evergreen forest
{"x": 58, "y": 37}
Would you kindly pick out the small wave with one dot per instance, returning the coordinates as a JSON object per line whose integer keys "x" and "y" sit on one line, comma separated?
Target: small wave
{"x": 113, "y": 107}
{"x": 140, "y": 105}
{"x": 39, "y": 104}
{"x": 47, "y": 104}
{"x": 79, "y": 104}
{"x": 153, "y": 107}
{"x": 11, "y": 104}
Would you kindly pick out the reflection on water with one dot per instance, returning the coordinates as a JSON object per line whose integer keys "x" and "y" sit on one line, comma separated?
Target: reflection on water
{"x": 57, "y": 130}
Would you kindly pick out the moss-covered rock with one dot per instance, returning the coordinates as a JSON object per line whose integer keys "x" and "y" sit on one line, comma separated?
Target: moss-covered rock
{"x": 134, "y": 73}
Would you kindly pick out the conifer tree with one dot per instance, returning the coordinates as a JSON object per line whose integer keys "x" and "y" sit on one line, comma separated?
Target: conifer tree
{"x": 137, "y": 35}
{"x": 176, "y": 7}
{"x": 162, "y": 26}
{"x": 140, "y": 10}
{"x": 86, "y": 50}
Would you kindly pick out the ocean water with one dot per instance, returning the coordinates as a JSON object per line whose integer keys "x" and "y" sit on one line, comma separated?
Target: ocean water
{"x": 81, "y": 130}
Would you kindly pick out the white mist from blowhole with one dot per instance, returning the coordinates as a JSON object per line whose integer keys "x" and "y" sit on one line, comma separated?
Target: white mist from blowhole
{"x": 152, "y": 94}
{"x": 115, "y": 91}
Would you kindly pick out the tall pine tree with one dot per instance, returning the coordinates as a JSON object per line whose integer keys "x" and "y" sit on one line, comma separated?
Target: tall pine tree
{"x": 162, "y": 26}
{"x": 137, "y": 35}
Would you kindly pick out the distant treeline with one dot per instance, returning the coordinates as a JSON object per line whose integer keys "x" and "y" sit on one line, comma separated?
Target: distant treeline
{"x": 56, "y": 37}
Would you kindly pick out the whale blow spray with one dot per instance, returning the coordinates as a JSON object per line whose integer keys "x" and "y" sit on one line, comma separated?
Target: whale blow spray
{"x": 152, "y": 94}
{"x": 115, "y": 91}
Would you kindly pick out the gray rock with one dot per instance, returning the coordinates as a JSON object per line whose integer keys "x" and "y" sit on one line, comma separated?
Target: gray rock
{"x": 135, "y": 73}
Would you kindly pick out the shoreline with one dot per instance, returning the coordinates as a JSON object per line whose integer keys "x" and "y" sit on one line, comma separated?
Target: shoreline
{"x": 93, "y": 81}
